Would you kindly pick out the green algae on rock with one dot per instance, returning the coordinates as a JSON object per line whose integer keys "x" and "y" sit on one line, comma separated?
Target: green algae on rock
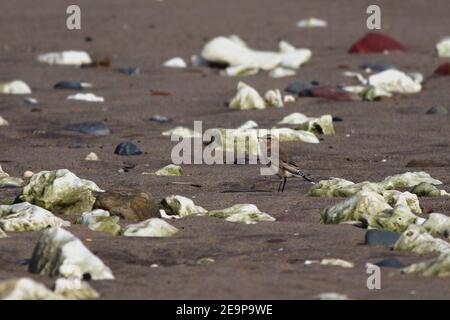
{"x": 244, "y": 213}
{"x": 437, "y": 224}
{"x": 59, "y": 253}
{"x": 3, "y": 234}
{"x": 153, "y": 227}
{"x": 22, "y": 217}
{"x": 106, "y": 225}
{"x": 425, "y": 189}
{"x": 206, "y": 261}
{"x": 9, "y": 182}
{"x": 171, "y": 170}
{"x": 437, "y": 267}
{"x": 91, "y": 216}
{"x": 416, "y": 239}
{"x": 75, "y": 289}
{"x": 60, "y": 191}
{"x": 26, "y": 289}
{"x": 181, "y": 206}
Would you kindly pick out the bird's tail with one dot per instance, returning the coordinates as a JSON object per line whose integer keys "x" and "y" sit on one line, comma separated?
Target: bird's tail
{"x": 297, "y": 172}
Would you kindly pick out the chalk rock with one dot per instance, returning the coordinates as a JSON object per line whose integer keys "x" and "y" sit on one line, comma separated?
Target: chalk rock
{"x": 312, "y": 23}
{"x": 171, "y": 170}
{"x": 92, "y": 216}
{"x": 3, "y": 122}
{"x": 425, "y": 189}
{"x": 394, "y": 81}
{"x": 337, "y": 263}
{"x": 240, "y": 71}
{"x": 376, "y": 43}
{"x": 281, "y": 73}
{"x": 181, "y": 206}
{"x": 250, "y": 124}
{"x": 321, "y": 125}
{"x": 60, "y": 191}
{"x": 234, "y": 52}
{"x": 438, "y": 267}
{"x": 273, "y": 98}
{"x": 408, "y": 180}
{"x": 131, "y": 205}
{"x": 443, "y": 48}
{"x": 9, "y": 182}
{"x": 26, "y": 289}
{"x": 106, "y": 225}
{"x": 92, "y": 156}
{"x": 88, "y": 97}
{"x": 72, "y": 58}
{"x": 182, "y": 132}
{"x": 60, "y": 253}
{"x": 153, "y": 227}
{"x": 24, "y": 216}
{"x": 15, "y": 87}
{"x": 247, "y": 98}
{"x": 244, "y": 213}
{"x": 75, "y": 289}
{"x": 416, "y": 239}
{"x": 437, "y": 224}
{"x": 332, "y": 296}
{"x": 3, "y": 234}
{"x": 176, "y": 62}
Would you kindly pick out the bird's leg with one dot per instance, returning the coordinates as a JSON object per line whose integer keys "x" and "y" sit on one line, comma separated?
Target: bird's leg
{"x": 280, "y": 184}
{"x": 284, "y": 183}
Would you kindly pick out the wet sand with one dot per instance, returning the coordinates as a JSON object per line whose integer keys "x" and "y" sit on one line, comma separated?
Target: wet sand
{"x": 263, "y": 261}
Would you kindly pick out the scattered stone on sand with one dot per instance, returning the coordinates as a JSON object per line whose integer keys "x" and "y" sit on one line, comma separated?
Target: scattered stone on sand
{"x": 60, "y": 253}
{"x": 288, "y": 98}
{"x": 127, "y": 149}
{"x": 390, "y": 263}
{"x": 75, "y": 289}
{"x": 250, "y": 124}
{"x": 427, "y": 164}
{"x": 92, "y": 216}
{"x": 273, "y": 98}
{"x": 170, "y": 170}
{"x": 95, "y": 128}
{"x": 312, "y": 23}
{"x": 375, "y": 42}
{"x": 26, "y": 289}
{"x": 375, "y": 237}
{"x": 130, "y": 71}
{"x": 182, "y": 132}
{"x": 300, "y": 87}
{"x": 206, "y": 261}
{"x": 376, "y": 67}
{"x": 128, "y": 204}
{"x": 443, "y": 48}
{"x": 72, "y": 85}
{"x": 243, "y": 213}
{"x": 438, "y": 110}
{"x": 72, "y": 58}
{"x": 181, "y": 206}
{"x": 437, "y": 224}
{"x": 437, "y": 267}
{"x": 3, "y": 122}
{"x": 15, "y": 87}
{"x": 22, "y": 217}
{"x": 108, "y": 225}
{"x": 443, "y": 69}
{"x": 240, "y": 71}
{"x": 28, "y": 174}
{"x": 330, "y": 93}
{"x": 92, "y": 156}
{"x": 160, "y": 119}
{"x": 99, "y": 63}
{"x": 233, "y": 51}
{"x": 416, "y": 239}
{"x": 281, "y": 73}
{"x": 331, "y": 296}
{"x": 372, "y": 210}
{"x": 320, "y": 125}
{"x": 337, "y": 263}
{"x": 425, "y": 189}
{"x": 176, "y": 62}
{"x": 60, "y": 191}
{"x": 3, "y": 234}
{"x": 9, "y": 182}
{"x": 154, "y": 227}
{"x": 247, "y": 98}
{"x": 88, "y": 97}
{"x": 32, "y": 101}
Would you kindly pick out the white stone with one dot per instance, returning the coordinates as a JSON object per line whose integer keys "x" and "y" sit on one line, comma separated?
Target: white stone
{"x": 75, "y": 289}
{"x": 247, "y": 98}
{"x": 176, "y": 62}
{"x": 92, "y": 157}
{"x": 15, "y": 87}
{"x": 250, "y": 124}
{"x": 281, "y": 73}
{"x": 26, "y": 289}
{"x": 153, "y": 227}
{"x": 182, "y": 132}
{"x": 88, "y": 97}
{"x": 73, "y": 58}
{"x": 60, "y": 253}
{"x": 243, "y": 213}
{"x": 273, "y": 98}
{"x": 91, "y": 216}
{"x": 3, "y": 122}
{"x": 182, "y": 206}
{"x": 443, "y": 48}
{"x": 312, "y": 23}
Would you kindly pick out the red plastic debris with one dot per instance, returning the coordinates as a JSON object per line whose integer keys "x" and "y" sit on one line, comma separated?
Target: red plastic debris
{"x": 443, "y": 69}
{"x": 376, "y": 43}
{"x": 329, "y": 92}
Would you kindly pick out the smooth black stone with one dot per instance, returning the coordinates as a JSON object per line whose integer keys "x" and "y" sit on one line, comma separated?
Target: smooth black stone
{"x": 70, "y": 85}
{"x": 377, "y": 66}
{"x": 299, "y": 87}
{"x": 337, "y": 119}
{"x": 376, "y": 237}
{"x": 131, "y": 71}
{"x": 437, "y": 110}
{"x": 75, "y": 146}
{"x": 390, "y": 263}
{"x": 160, "y": 119}
{"x": 92, "y": 128}
{"x": 127, "y": 149}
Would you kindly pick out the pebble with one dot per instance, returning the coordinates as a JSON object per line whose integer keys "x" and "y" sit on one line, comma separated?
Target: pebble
{"x": 3, "y": 122}
{"x": 31, "y": 100}
{"x": 299, "y": 87}
{"x": 75, "y": 146}
{"x": 437, "y": 110}
{"x": 92, "y": 157}
{"x": 127, "y": 149}
{"x": 376, "y": 237}
{"x": 390, "y": 263}
{"x": 89, "y": 97}
{"x": 72, "y": 85}
{"x": 160, "y": 119}
{"x": 378, "y": 67}
{"x": 130, "y": 71}
{"x": 15, "y": 87}
{"x": 376, "y": 43}
{"x": 330, "y": 92}
{"x": 443, "y": 69}
{"x": 92, "y": 128}
{"x": 176, "y": 62}
{"x": 28, "y": 174}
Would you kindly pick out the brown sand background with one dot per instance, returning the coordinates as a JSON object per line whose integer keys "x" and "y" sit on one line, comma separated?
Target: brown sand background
{"x": 249, "y": 263}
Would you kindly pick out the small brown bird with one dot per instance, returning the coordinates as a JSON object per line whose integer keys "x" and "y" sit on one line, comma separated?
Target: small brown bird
{"x": 283, "y": 166}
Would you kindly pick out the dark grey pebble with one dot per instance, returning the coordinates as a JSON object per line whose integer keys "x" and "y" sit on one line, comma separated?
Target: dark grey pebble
{"x": 377, "y": 66}
{"x": 23, "y": 262}
{"x": 300, "y": 87}
{"x": 75, "y": 146}
{"x": 390, "y": 263}
{"x": 337, "y": 119}
{"x": 70, "y": 85}
{"x": 437, "y": 110}
{"x": 131, "y": 71}
{"x": 127, "y": 149}
{"x": 376, "y": 237}
{"x": 160, "y": 119}
{"x": 96, "y": 128}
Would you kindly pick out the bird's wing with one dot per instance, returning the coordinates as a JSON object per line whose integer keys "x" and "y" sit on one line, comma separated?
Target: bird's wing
{"x": 295, "y": 170}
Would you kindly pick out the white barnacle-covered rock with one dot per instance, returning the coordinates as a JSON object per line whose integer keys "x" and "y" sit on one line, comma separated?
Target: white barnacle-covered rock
{"x": 437, "y": 267}
{"x": 92, "y": 216}
{"x": 170, "y": 170}
{"x": 24, "y": 216}
{"x": 247, "y": 98}
{"x": 60, "y": 191}
{"x": 274, "y": 98}
{"x": 182, "y": 206}
{"x": 416, "y": 239}
{"x": 153, "y": 227}
{"x": 75, "y": 289}
{"x": 9, "y": 182}
{"x": 26, "y": 289}
{"x": 72, "y": 58}
{"x": 15, "y": 87}
{"x": 437, "y": 224}
{"x": 176, "y": 62}
{"x": 288, "y": 134}
{"x": 60, "y": 253}
{"x": 443, "y": 48}
{"x": 244, "y": 213}
{"x": 322, "y": 124}
{"x": 408, "y": 180}
{"x": 394, "y": 81}
{"x": 88, "y": 97}
{"x": 100, "y": 221}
